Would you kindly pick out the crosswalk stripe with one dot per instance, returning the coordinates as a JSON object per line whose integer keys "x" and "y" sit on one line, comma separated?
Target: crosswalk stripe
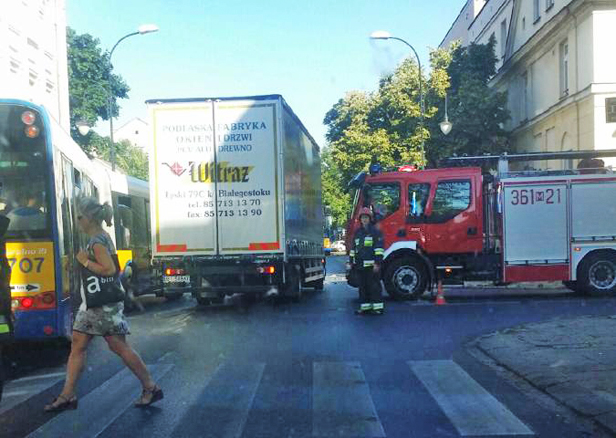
{"x": 471, "y": 409}
{"x": 101, "y": 406}
{"x": 225, "y": 403}
{"x": 342, "y": 404}
{"x": 20, "y": 390}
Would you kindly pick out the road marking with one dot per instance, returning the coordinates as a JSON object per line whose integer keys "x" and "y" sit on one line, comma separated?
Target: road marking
{"x": 15, "y": 393}
{"x": 101, "y": 407}
{"x": 20, "y": 390}
{"x": 342, "y": 404}
{"x": 225, "y": 403}
{"x": 39, "y": 376}
{"x": 471, "y": 409}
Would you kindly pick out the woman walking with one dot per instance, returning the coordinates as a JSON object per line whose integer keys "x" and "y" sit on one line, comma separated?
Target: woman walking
{"x": 107, "y": 321}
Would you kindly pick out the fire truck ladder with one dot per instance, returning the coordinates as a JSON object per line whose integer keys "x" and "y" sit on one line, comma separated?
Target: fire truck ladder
{"x": 504, "y": 159}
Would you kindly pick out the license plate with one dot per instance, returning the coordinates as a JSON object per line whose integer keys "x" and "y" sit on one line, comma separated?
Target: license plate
{"x": 177, "y": 279}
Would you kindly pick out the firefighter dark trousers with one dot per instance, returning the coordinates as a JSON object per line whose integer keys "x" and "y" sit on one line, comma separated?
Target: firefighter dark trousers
{"x": 370, "y": 290}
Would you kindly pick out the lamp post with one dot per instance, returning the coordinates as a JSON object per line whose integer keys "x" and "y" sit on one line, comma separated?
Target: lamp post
{"x": 384, "y": 35}
{"x": 83, "y": 127}
{"x": 446, "y": 125}
{"x": 142, "y": 30}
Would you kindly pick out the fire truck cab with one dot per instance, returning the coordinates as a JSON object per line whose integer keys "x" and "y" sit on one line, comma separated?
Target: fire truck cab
{"x": 461, "y": 224}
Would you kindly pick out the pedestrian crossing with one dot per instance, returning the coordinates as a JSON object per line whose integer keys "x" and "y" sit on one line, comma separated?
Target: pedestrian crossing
{"x": 318, "y": 398}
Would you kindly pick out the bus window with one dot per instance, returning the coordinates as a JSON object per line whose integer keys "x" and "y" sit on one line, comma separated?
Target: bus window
{"x": 24, "y": 174}
{"x": 124, "y": 227}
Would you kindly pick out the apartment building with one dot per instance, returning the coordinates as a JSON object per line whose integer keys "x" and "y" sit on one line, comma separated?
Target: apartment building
{"x": 33, "y": 54}
{"x": 557, "y": 63}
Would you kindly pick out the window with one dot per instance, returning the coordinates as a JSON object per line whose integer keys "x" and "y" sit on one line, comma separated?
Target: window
{"x": 451, "y": 198}
{"x": 610, "y": 110}
{"x": 548, "y": 4}
{"x": 503, "y": 37}
{"x": 536, "y": 13}
{"x": 418, "y": 197}
{"x": 383, "y": 198}
{"x": 564, "y": 68}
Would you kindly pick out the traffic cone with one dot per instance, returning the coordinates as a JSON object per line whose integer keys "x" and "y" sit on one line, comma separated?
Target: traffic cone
{"x": 440, "y": 297}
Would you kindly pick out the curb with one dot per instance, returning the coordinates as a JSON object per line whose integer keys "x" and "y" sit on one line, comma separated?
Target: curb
{"x": 476, "y": 344}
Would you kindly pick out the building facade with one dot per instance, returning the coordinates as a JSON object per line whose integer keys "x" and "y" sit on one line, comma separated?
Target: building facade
{"x": 135, "y": 131}
{"x": 33, "y": 54}
{"x": 558, "y": 66}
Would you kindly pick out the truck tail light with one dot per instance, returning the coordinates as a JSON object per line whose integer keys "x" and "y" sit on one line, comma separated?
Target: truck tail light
{"x": 170, "y": 271}
{"x": 270, "y": 270}
{"x": 27, "y": 302}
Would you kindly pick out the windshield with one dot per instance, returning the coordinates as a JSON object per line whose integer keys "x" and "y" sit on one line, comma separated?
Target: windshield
{"x": 23, "y": 172}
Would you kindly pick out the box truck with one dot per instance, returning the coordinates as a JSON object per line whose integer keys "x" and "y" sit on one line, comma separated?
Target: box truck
{"x": 235, "y": 198}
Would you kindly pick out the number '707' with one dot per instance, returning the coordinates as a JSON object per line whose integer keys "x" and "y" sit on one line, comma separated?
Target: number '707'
{"x": 26, "y": 265}
{"x": 534, "y": 196}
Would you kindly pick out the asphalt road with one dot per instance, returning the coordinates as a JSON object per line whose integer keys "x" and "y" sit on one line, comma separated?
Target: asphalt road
{"x": 308, "y": 369}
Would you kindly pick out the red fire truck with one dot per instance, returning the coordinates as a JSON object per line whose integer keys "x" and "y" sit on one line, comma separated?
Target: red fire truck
{"x": 461, "y": 224}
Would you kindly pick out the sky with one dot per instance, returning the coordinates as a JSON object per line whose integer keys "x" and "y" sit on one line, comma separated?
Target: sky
{"x": 311, "y": 53}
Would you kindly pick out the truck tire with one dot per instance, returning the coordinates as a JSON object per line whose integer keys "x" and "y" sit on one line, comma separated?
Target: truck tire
{"x": 319, "y": 284}
{"x": 405, "y": 278}
{"x": 204, "y": 301}
{"x": 293, "y": 286}
{"x": 597, "y": 273}
{"x": 175, "y": 296}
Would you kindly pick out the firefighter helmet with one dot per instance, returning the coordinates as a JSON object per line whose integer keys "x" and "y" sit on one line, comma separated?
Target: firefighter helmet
{"x": 366, "y": 212}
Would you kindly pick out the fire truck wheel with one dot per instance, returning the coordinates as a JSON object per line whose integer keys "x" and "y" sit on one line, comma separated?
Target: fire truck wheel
{"x": 597, "y": 272}
{"x": 405, "y": 278}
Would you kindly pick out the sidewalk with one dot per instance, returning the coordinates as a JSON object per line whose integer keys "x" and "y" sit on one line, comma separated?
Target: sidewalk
{"x": 573, "y": 360}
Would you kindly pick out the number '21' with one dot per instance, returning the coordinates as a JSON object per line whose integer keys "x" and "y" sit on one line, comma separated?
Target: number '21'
{"x": 532, "y": 196}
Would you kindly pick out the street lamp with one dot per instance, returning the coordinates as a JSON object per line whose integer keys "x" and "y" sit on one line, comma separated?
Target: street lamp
{"x": 384, "y": 35}
{"x": 83, "y": 127}
{"x": 446, "y": 125}
{"x": 142, "y": 30}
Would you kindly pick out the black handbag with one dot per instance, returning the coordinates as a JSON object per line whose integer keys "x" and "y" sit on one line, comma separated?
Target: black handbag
{"x": 100, "y": 290}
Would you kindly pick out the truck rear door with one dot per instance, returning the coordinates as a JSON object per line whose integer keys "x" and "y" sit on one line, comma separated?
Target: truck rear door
{"x": 248, "y": 192}
{"x": 181, "y": 192}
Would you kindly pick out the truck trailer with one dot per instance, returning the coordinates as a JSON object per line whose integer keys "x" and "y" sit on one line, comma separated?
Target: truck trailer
{"x": 235, "y": 198}
{"x": 461, "y": 223}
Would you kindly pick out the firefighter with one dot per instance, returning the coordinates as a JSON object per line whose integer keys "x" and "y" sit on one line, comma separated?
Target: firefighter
{"x": 366, "y": 255}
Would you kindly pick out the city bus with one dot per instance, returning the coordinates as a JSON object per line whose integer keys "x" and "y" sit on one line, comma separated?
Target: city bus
{"x": 42, "y": 174}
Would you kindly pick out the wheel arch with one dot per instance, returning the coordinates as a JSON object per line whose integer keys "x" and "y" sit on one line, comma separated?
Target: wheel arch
{"x": 587, "y": 255}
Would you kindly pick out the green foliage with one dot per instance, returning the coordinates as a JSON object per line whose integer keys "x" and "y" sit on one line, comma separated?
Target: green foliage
{"x": 129, "y": 158}
{"x": 90, "y": 76}
{"x": 334, "y": 195}
{"x": 476, "y": 110}
{"x": 385, "y": 126}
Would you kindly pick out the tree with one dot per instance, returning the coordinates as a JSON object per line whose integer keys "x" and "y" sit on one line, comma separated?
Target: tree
{"x": 477, "y": 111}
{"x": 385, "y": 126}
{"x": 130, "y": 159}
{"x": 90, "y": 76}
